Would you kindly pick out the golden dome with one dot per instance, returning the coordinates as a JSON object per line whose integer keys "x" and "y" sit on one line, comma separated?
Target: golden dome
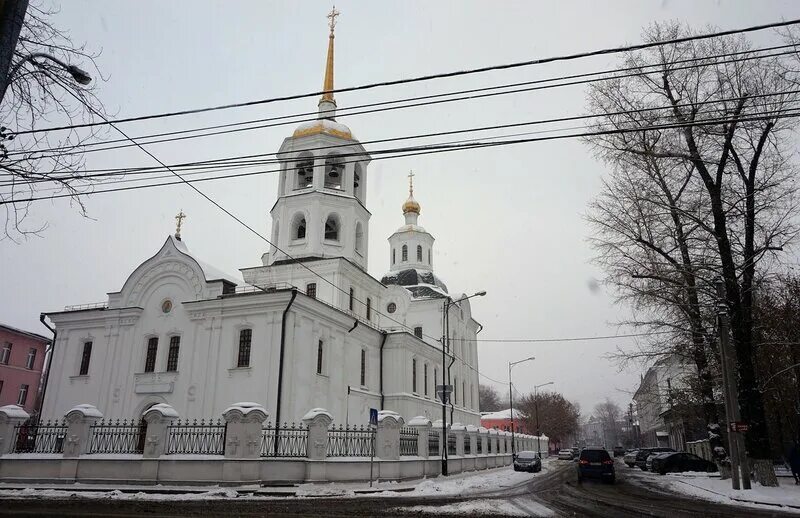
{"x": 325, "y": 126}
{"x": 411, "y": 205}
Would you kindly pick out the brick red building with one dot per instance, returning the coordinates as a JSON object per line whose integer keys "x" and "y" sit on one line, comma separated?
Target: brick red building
{"x": 502, "y": 421}
{"x": 21, "y": 364}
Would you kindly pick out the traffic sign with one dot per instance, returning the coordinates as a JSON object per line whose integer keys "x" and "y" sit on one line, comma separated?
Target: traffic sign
{"x": 443, "y": 392}
{"x": 373, "y": 416}
{"x": 738, "y": 426}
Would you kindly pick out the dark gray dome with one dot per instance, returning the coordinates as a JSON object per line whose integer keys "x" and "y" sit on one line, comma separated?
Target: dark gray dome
{"x": 413, "y": 277}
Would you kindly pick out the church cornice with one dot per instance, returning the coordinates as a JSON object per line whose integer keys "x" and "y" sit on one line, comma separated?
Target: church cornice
{"x": 311, "y": 191}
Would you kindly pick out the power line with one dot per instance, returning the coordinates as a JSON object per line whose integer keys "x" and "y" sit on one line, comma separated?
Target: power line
{"x": 570, "y": 339}
{"x": 507, "y": 66}
{"x": 435, "y": 149}
{"x": 79, "y": 149}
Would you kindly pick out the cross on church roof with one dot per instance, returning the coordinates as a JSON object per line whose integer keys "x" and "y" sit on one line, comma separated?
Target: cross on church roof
{"x": 332, "y": 18}
{"x": 179, "y": 219}
{"x": 411, "y": 183}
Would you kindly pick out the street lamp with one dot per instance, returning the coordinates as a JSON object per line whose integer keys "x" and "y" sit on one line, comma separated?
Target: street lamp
{"x": 536, "y": 405}
{"x": 80, "y": 76}
{"x": 445, "y": 395}
{"x": 511, "y": 402}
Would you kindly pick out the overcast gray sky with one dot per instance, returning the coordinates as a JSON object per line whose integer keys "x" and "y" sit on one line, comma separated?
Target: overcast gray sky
{"x": 508, "y": 220}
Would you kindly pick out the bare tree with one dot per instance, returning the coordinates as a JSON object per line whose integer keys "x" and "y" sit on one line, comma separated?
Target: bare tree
{"x": 489, "y": 399}
{"x": 610, "y": 416}
{"x": 42, "y": 93}
{"x": 558, "y": 417}
{"x": 728, "y": 142}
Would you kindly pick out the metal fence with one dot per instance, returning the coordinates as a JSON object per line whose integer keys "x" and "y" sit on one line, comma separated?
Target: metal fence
{"x": 409, "y": 442}
{"x": 467, "y": 445}
{"x": 117, "y": 436}
{"x": 45, "y": 437}
{"x": 451, "y": 444}
{"x": 479, "y": 446}
{"x": 433, "y": 443}
{"x": 350, "y": 441}
{"x": 197, "y": 437}
{"x": 292, "y": 440}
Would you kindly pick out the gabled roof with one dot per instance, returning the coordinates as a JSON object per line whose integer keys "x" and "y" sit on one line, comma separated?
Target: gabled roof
{"x": 25, "y": 333}
{"x": 211, "y": 273}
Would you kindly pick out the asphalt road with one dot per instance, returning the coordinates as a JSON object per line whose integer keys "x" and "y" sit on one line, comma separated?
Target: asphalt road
{"x": 557, "y": 490}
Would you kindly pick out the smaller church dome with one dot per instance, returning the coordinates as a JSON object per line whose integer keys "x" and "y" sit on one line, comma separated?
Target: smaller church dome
{"x": 325, "y": 126}
{"x": 411, "y": 205}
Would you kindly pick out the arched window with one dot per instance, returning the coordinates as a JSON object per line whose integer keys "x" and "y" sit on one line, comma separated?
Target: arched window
{"x": 419, "y": 253}
{"x": 357, "y": 190}
{"x": 304, "y": 171}
{"x": 425, "y": 378}
{"x": 394, "y": 256}
{"x": 363, "y": 367}
{"x": 299, "y": 227}
{"x": 334, "y": 171}
{"x": 245, "y": 342}
{"x": 404, "y": 255}
{"x": 414, "y": 375}
{"x": 332, "y": 228}
{"x": 463, "y": 393}
{"x": 359, "y": 237}
{"x": 429, "y": 256}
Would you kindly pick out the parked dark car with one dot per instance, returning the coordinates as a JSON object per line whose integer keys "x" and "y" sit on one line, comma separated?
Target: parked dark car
{"x": 528, "y": 461}
{"x": 680, "y": 462}
{"x": 619, "y": 451}
{"x": 596, "y": 463}
{"x": 641, "y": 456}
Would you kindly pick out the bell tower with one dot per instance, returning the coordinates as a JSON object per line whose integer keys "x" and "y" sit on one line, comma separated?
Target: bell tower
{"x": 321, "y": 207}
{"x": 411, "y": 246}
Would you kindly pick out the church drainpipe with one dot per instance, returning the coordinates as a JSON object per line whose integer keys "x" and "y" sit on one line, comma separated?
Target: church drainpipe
{"x": 383, "y": 342}
{"x": 280, "y": 369}
{"x": 40, "y": 407}
{"x": 355, "y": 325}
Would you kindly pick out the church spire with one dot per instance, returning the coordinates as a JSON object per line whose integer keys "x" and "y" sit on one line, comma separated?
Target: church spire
{"x": 327, "y": 104}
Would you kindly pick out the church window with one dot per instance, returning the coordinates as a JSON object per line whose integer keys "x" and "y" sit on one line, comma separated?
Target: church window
{"x": 31, "y": 360}
{"x": 435, "y": 377}
{"x": 463, "y": 393}
{"x": 369, "y": 308}
{"x": 425, "y": 378}
{"x": 166, "y": 306}
{"x": 23, "y": 394}
{"x": 5, "y": 354}
{"x": 404, "y": 254}
{"x": 414, "y": 375}
{"x": 455, "y": 391}
{"x": 392, "y": 307}
{"x": 311, "y": 290}
{"x": 320, "y": 353}
{"x": 352, "y": 298}
{"x": 299, "y": 227}
{"x": 332, "y": 229}
{"x": 429, "y": 256}
{"x": 150, "y": 358}
{"x": 334, "y": 170}
{"x": 363, "y": 367}
{"x": 304, "y": 168}
{"x": 418, "y": 332}
{"x": 394, "y": 256}
{"x": 245, "y": 339}
{"x": 86, "y": 356}
{"x": 172, "y": 355}
{"x": 419, "y": 253}
{"x": 359, "y": 237}
{"x": 357, "y": 190}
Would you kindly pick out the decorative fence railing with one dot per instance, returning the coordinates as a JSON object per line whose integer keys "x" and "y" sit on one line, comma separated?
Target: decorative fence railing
{"x": 45, "y": 437}
{"x": 433, "y": 443}
{"x": 479, "y": 447}
{"x": 467, "y": 445}
{"x": 115, "y": 436}
{"x": 292, "y": 440}
{"x": 196, "y": 437}
{"x": 409, "y": 442}
{"x": 451, "y": 444}
{"x": 350, "y": 441}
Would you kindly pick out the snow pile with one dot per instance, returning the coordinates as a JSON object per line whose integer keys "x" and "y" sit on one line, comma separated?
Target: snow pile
{"x": 60, "y": 494}
{"x": 471, "y": 507}
{"x": 468, "y": 484}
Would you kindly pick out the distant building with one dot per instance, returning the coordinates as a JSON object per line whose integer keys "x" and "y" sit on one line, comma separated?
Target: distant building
{"x": 591, "y": 432}
{"x": 21, "y": 365}
{"x": 501, "y": 420}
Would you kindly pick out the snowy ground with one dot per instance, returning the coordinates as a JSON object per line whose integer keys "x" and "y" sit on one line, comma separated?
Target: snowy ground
{"x": 711, "y": 487}
{"x": 484, "y": 507}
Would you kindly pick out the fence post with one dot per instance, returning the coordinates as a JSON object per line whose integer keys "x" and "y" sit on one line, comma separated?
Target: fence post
{"x": 10, "y": 416}
{"x": 158, "y": 418}
{"x": 243, "y": 423}
{"x": 79, "y": 429}
{"x": 437, "y": 427}
{"x": 422, "y": 425}
{"x": 317, "y": 420}
{"x": 493, "y": 441}
{"x": 388, "y": 436}
{"x": 458, "y": 430}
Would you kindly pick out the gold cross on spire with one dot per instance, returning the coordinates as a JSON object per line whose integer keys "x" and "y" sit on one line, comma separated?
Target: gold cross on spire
{"x": 332, "y": 18}
{"x": 411, "y": 183}
{"x": 179, "y": 219}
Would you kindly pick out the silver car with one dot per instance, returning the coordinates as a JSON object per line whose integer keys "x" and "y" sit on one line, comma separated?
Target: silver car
{"x": 565, "y": 455}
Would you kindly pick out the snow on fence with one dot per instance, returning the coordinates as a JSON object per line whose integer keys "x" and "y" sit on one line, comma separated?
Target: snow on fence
{"x": 292, "y": 440}
{"x": 117, "y": 436}
{"x": 409, "y": 442}
{"x": 198, "y": 437}
{"x": 350, "y": 441}
{"x": 47, "y": 437}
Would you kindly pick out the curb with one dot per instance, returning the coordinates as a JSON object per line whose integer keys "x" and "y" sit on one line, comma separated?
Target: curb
{"x": 743, "y": 500}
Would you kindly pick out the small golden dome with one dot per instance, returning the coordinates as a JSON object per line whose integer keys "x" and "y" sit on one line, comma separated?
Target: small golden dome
{"x": 411, "y": 205}
{"x": 323, "y": 126}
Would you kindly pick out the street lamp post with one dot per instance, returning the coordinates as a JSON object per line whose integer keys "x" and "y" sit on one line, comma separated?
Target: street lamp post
{"x": 80, "y": 76}
{"x": 446, "y": 347}
{"x": 511, "y": 403}
{"x": 536, "y": 406}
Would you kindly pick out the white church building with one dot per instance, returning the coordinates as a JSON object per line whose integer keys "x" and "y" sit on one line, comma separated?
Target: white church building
{"x": 306, "y": 328}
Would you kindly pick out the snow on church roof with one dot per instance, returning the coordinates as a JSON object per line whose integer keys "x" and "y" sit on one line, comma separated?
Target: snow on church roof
{"x": 421, "y": 283}
{"x": 211, "y": 273}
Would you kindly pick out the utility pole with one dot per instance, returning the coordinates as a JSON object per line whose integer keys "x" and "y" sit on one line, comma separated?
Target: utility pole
{"x": 12, "y": 14}
{"x": 738, "y": 454}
